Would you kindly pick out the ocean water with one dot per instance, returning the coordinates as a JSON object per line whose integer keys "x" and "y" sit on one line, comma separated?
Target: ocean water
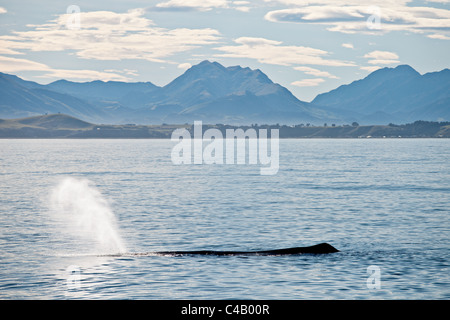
{"x": 65, "y": 205}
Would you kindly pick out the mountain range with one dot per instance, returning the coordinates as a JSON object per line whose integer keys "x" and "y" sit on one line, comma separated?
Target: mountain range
{"x": 398, "y": 94}
{"x": 234, "y": 95}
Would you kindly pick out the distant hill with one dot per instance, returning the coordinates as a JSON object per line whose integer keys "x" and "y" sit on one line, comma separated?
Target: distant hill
{"x": 19, "y": 98}
{"x": 54, "y": 122}
{"x": 398, "y": 94}
{"x": 233, "y": 95}
{"x": 46, "y": 126}
{"x": 64, "y": 126}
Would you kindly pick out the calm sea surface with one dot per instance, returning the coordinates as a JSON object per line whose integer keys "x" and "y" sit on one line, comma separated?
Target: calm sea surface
{"x": 384, "y": 203}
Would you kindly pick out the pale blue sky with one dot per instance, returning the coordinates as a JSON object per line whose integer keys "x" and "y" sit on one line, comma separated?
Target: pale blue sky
{"x": 309, "y": 47}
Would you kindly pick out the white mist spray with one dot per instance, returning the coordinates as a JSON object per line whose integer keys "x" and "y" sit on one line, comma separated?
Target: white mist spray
{"x": 87, "y": 214}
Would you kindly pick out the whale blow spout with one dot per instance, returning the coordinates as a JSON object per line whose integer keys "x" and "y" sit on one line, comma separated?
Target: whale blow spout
{"x": 316, "y": 249}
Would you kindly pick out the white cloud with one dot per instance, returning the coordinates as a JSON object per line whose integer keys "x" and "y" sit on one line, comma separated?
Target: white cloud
{"x": 12, "y": 65}
{"x": 105, "y": 35}
{"x": 439, "y": 36}
{"x": 370, "y": 68}
{"x": 243, "y": 8}
{"x": 84, "y": 75}
{"x": 203, "y": 5}
{"x": 3, "y": 10}
{"x": 341, "y": 2}
{"x": 358, "y": 16}
{"x": 274, "y": 52}
{"x": 308, "y": 82}
{"x": 348, "y": 45}
{"x": 130, "y": 72}
{"x": 315, "y": 72}
{"x": 184, "y": 66}
{"x": 5, "y": 50}
{"x": 382, "y": 57}
{"x": 251, "y": 41}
